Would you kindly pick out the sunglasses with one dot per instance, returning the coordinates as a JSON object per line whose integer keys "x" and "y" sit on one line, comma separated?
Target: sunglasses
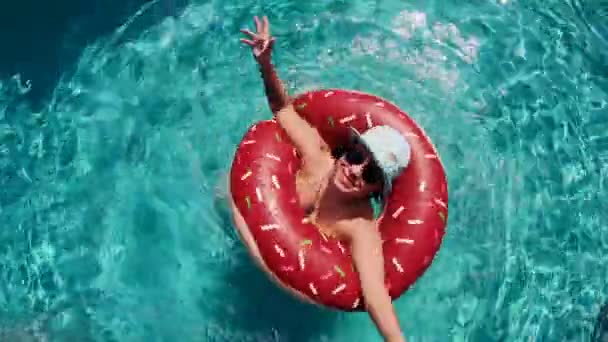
{"x": 372, "y": 173}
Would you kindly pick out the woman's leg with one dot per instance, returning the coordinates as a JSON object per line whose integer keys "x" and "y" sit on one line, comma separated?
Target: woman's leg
{"x": 252, "y": 247}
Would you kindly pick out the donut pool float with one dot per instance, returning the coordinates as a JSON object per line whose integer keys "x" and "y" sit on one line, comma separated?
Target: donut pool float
{"x": 297, "y": 255}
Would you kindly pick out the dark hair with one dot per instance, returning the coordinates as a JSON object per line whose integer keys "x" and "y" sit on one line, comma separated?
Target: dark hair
{"x": 337, "y": 153}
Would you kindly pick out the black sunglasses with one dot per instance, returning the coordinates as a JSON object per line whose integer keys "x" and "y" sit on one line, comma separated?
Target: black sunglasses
{"x": 372, "y": 173}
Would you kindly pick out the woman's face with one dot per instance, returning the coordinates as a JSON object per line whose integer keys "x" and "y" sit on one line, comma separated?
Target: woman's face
{"x": 356, "y": 173}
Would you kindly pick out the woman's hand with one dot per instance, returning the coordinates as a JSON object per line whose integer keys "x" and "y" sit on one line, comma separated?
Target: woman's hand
{"x": 261, "y": 42}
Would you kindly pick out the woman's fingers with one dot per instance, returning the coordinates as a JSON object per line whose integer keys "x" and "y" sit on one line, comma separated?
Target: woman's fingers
{"x": 266, "y": 26}
{"x": 249, "y": 33}
{"x": 258, "y": 27}
{"x": 248, "y": 42}
{"x": 262, "y": 35}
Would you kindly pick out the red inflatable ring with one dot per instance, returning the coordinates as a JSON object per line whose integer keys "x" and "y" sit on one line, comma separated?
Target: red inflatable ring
{"x": 318, "y": 268}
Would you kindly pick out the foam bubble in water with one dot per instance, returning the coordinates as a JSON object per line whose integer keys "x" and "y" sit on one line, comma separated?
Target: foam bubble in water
{"x": 406, "y": 23}
{"x": 430, "y": 63}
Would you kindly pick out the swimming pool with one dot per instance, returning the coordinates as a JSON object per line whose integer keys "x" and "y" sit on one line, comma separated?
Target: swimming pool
{"x": 114, "y": 224}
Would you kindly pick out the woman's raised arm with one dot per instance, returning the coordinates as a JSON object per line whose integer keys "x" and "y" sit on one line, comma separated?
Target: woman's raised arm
{"x": 306, "y": 138}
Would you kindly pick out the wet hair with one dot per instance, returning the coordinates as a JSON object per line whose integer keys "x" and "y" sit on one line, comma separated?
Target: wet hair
{"x": 337, "y": 153}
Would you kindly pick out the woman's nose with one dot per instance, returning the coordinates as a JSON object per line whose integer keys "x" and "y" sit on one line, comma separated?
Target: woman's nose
{"x": 357, "y": 170}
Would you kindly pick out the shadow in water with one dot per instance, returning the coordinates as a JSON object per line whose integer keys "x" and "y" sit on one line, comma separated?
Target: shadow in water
{"x": 44, "y": 48}
{"x": 263, "y": 306}
{"x": 260, "y": 305}
{"x": 600, "y": 333}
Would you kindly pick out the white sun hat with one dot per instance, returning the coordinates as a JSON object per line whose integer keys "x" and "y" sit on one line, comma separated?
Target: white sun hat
{"x": 390, "y": 151}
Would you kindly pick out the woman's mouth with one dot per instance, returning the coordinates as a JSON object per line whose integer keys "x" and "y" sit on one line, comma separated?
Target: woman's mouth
{"x": 347, "y": 180}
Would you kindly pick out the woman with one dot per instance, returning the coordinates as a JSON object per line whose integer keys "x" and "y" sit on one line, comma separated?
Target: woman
{"x": 335, "y": 189}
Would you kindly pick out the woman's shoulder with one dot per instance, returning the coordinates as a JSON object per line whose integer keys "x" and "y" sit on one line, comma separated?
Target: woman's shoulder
{"x": 312, "y": 173}
{"x": 309, "y": 181}
{"x": 318, "y": 167}
{"x": 357, "y": 227}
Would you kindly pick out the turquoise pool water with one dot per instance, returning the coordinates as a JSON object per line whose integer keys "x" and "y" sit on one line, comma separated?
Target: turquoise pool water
{"x": 113, "y": 214}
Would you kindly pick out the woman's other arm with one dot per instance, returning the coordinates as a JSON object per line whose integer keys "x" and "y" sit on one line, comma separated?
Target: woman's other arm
{"x": 366, "y": 246}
